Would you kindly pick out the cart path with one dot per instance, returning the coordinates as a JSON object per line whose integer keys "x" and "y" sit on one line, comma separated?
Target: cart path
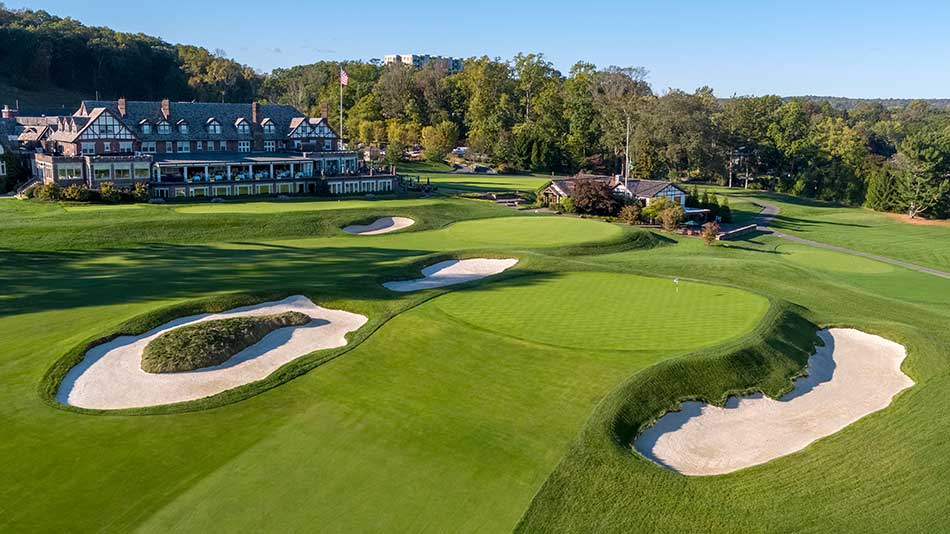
{"x": 769, "y": 211}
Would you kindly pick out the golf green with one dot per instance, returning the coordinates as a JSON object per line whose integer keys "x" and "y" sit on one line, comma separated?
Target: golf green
{"x": 604, "y": 311}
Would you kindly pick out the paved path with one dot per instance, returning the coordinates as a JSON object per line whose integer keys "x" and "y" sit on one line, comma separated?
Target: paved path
{"x": 769, "y": 211}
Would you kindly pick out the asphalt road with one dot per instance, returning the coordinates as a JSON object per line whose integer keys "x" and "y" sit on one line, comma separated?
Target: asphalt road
{"x": 769, "y": 211}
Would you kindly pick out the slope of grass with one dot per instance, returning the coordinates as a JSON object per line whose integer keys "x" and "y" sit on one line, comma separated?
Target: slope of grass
{"x": 211, "y": 342}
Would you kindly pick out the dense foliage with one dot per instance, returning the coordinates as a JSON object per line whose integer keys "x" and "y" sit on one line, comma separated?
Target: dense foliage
{"x": 211, "y": 342}
{"x": 40, "y": 51}
{"x": 524, "y": 114}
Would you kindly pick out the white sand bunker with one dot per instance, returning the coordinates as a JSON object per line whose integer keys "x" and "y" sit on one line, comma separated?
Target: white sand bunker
{"x": 380, "y": 226}
{"x": 853, "y": 375}
{"x": 446, "y": 273}
{"x": 111, "y": 376}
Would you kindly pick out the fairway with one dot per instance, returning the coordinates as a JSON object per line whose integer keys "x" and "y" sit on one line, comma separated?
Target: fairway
{"x": 601, "y": 311}
{"x": 856, "y": 228}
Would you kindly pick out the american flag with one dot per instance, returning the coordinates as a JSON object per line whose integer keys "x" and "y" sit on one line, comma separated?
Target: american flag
{"x": 344, "y": 77}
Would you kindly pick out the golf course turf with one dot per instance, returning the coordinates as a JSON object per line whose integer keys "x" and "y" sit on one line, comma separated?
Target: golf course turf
{"x": 505, "y": 404}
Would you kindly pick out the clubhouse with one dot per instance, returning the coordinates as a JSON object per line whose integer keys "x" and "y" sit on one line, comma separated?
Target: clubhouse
{"x": 189, "y": 149}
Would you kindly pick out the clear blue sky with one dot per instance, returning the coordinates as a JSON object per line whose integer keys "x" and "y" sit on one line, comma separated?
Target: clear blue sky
{"x": 844, "y": 48}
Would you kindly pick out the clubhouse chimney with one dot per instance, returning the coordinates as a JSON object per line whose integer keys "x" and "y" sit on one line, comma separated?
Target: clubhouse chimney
{"x": 324, "y": 111}
{"x": 255, "y": 112}
{"x": 166, "y": 108}
{"x": 121, "y": 106}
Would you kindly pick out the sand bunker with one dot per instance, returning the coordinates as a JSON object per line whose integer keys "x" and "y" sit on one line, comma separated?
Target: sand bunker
{"x": 853, "y": 375}
{"x": 446, "y": 273}
{"x": 111, "y": 376}
{"x": 380, "y": 226}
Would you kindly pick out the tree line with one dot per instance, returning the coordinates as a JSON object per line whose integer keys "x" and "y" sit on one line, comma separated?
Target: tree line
{"x": 40, "y": 51}
{"x": 525, "y": 115}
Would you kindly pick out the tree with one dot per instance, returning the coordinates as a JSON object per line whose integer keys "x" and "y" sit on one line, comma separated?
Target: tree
{"x": 710, "y": 232}
{"x": 594, "y": 197}
{"x": 630, "y": 213}
{"x": 671, "y": 217}
{"x": 583, "y": 129}
{"x": 924, "y": 166}
{"x": 619, "y": 93}
{"x": 439, "y": 140}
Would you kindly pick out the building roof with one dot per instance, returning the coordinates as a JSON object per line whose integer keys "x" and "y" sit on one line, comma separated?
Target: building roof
{"x": 646, "y": 188}
{"x": 197, "y": 115}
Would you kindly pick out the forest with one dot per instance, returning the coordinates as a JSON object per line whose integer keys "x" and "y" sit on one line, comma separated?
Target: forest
{"x": 524, "y": 115}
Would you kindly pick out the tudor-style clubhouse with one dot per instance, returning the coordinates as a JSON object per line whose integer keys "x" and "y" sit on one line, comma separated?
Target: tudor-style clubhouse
{"x": 188, "y": 149}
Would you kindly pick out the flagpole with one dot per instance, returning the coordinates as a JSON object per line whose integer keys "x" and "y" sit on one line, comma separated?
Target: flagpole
{"x": 341, "y": 105}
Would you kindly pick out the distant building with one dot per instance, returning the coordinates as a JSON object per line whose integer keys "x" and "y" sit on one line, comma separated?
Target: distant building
{"x": 645, "y": 191}
{"x": 192, "y": 149}
{"x": 420, "y": 60}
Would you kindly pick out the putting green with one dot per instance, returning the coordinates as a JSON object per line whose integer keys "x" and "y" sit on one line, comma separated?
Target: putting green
{"x": 604, "y": 311}
{"x": 531, "y": 231}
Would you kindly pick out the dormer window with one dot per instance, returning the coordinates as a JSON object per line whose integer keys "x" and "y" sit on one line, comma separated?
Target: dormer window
{"x": 164, "y": 128}
{"x": 269, "y": 128}
{"x": 146, "y": 128}
{"x": 243, "y": 128}
{"x": 214, "y": 127}
{"x": 183, "y": 128}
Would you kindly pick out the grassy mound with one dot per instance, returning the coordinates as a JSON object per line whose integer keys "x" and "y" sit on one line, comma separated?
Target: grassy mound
{"x": 574, "y": 499}
{"x": 212, "y": 342}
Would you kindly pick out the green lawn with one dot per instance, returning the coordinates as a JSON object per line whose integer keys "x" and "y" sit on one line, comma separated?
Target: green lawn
{"x": 480, "y": 408}
{"x": 857, "y": 228}
{"x": 267, "y": 206}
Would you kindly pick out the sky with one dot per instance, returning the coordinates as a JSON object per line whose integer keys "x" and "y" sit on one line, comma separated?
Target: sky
{"x": 868, "y": 49}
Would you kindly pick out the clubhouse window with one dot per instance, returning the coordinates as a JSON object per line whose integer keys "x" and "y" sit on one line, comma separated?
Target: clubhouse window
{"x": 88, "y": 148}
{"x": 125, "y": 146}
{"x": 244, "y": 146}
{"x": 148, "y": 147}
{"x": 183, "y": 147}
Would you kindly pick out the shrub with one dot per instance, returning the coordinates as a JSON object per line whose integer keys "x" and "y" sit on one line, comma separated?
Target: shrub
{"x": 78, "y": 193}
{"x": 211, "y": 342}
{"x": 109, "y": 193}
{"x": 671, "y": 217}
{"x": 630, "y": 214}
{"x": 140, "y": 192}
{"x": 48, "y": 192}
{"x": 725, "y": 212}
{"x": 710, "y": 232}
{"x": 655, "y": 207}
{"x": 567, "y": 205}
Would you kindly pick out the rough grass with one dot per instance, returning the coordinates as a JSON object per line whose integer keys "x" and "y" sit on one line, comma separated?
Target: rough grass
{"x": 210, "y": 343}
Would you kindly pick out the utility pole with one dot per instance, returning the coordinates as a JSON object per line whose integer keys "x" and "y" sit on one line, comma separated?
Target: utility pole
{"x": 626, "y": 167}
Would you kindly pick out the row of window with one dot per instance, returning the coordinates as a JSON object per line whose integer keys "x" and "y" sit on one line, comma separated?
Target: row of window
{"x": 213, "y": 127}
{"x": 184, "y": 147}
{"x": 104, "y": 171}
{"x": 337, "y": 188}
